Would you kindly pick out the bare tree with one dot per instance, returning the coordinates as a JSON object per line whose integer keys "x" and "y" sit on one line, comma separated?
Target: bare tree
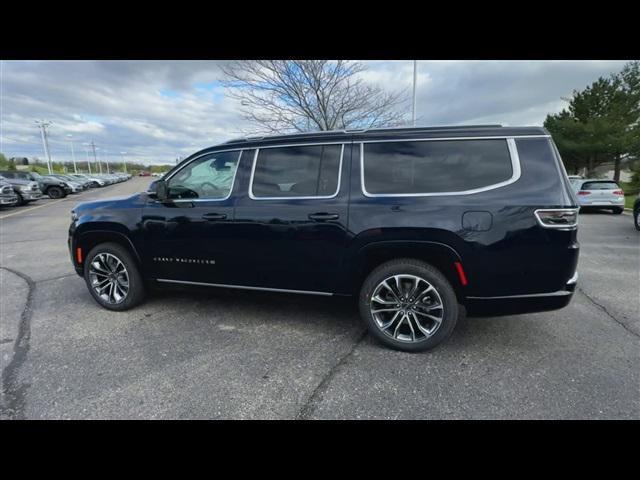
{"x": 280, "y": 96}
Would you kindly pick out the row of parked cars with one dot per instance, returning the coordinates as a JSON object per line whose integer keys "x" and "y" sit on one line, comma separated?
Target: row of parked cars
{"x": 21, "y": 187}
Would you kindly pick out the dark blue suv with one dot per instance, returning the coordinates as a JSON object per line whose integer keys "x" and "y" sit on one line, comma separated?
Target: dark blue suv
{"x": 420, "y": 224}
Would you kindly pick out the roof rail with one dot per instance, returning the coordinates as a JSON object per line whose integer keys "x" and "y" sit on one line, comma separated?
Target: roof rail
{"x": 362, "y": 130}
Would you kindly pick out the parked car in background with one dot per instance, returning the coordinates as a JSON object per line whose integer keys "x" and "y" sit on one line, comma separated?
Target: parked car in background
{"x": 94, "y": 181}
{"x": 52, "y": 187}
{"x": 599, "y": 194}
{"x": 26, "y": 190}
{"x": 413, "y": 222}
{"x": 144, "y": 174}
{"x": 7, "y": 196}
{"x": 74, "y": 186}
{"x": 636, "y": 212}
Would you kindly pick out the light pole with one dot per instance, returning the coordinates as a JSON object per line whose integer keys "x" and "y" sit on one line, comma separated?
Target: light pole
{"x": 86, "y": 148}
{"x": 124, "y": 161}
{"x": 106, "y": 159}
{"x": 45, "y": 143}
{"x": 415, "y": 77}
{"x": 73, "y": 155}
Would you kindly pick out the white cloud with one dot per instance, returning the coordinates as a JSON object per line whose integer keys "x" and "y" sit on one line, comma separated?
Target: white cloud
{"x": 159, "y": 110}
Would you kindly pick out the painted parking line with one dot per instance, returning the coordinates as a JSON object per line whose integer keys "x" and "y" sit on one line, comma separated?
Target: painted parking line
{"x": 32, "y": 208}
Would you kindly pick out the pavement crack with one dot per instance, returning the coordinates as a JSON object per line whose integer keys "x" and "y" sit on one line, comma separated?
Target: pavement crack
{"x": 13, "y": 392}
{"x": 604, "y": 309}
{"x": 56, "y": 278}
{"x": 309, "y": 406}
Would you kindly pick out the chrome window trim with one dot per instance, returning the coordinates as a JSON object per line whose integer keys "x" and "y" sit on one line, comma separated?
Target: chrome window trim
{"x": 556, "y": 227}
{"x": 243, "y": 287}
{"x": 255, "y": 161}
{"x": 513, "y": 154}
{"x": 233, "y": 182}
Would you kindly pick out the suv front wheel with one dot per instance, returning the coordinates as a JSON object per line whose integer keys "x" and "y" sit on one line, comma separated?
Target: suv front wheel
{"x": 113, "y": 278}
{"x": 408, "y": 305}
{"x": 56, "y": 192}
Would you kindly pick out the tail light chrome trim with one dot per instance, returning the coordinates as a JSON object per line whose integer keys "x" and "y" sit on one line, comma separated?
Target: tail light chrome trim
{"x": 566, "y": 218}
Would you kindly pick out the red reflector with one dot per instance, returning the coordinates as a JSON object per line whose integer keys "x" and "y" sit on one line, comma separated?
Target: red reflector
{"x": 582, "y": 192}
{"x": 463, "y": 277}
{"x": 79, "y": 254}
{"x": 618, "y": 192}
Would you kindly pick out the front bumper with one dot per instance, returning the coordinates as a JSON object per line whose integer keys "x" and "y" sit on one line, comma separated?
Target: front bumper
{"x": 8, "y": 199}
{"x": 31, "y": 195}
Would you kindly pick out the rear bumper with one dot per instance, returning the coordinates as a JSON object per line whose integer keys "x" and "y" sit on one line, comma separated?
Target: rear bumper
{"x": 521, "y": 304}
{"x": 619, "y": 202}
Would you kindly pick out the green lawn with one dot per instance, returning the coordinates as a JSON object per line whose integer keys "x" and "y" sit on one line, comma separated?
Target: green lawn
{"x": 628, "y": 200}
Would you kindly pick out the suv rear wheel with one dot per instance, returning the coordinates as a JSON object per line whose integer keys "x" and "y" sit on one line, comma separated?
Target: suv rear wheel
{"x": 408, "y": 305}
{"x": 636, "y": 218}
{"x": 113, "y": 278}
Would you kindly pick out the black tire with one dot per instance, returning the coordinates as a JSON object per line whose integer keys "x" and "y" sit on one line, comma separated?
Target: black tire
{"x": 21, "y": 201}
{"x": 617, "y": 211}
{"x": 55, "y": 192}
{"x": 136, "y": 293}
{"x": 425, "y": 271}
{"x": 636, "y": 219}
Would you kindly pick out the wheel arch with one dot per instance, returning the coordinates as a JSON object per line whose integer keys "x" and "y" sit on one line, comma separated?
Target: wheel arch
{"x": 89, "y": 238}
{"x": 439, "y": 255}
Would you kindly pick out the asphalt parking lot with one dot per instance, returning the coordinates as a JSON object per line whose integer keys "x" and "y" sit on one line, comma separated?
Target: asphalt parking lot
{"x": 214, "y": 354}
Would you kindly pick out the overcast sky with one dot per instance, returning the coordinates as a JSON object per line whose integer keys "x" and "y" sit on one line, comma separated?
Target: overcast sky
{"x": 157, "y": 111}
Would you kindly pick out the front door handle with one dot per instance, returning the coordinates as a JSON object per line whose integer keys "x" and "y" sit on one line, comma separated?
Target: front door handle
{"x": 323, "y": 216}
{"x": 214, "y": 216}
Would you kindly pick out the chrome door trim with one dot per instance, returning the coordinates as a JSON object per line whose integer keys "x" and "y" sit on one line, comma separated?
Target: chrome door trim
{"x": 513, "y": 154}
{"x": 559, "y": 293}
{"x": 255, "y": 161}
{"x": 243, "y": 287}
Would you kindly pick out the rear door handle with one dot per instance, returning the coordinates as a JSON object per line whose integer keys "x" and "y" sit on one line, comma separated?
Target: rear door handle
{"x": 214, "y": 216}
{"x": 324, "y": 216}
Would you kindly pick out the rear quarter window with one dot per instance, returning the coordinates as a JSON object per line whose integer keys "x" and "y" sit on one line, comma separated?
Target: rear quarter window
{"x": 432, "y": 167}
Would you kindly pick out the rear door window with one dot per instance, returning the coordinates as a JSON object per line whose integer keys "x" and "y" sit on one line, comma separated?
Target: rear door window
{"x": 308, "y": 171}
{"x": 433, "y": 167}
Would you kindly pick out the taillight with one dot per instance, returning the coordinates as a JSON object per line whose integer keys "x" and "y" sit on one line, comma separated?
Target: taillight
{"x": 461, "y": 274}
{"x": 557, "y": 217}
{"x": 618, "y": 192}
{"x": 583, "y": 192}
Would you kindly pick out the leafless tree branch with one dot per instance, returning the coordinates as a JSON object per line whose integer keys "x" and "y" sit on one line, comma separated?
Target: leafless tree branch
{"x": 279, "y": 96}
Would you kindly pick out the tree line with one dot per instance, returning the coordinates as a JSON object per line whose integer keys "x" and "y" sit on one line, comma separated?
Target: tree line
{"x": 601, "y": 124}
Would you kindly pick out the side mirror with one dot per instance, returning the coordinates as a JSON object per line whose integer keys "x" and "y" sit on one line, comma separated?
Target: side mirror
{"x": 160, "y": 189}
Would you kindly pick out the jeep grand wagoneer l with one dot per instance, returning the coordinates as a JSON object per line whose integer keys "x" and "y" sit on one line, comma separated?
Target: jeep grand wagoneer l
{"x": 418, "y": 223}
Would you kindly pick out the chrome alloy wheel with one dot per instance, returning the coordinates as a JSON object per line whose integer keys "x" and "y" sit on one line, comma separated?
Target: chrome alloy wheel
{"x": 406, "y": 308}
{"x": 109, "y": 278}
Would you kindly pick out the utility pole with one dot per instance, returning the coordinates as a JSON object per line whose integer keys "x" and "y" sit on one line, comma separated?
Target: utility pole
{"x": 45, "y": 143}
{"x": 73, "y": 155}
{"x": 106, "y": 159}
{"x": 415, "y": 77}
{"x": 124, "y": 161}
{"x": 93, "y": 146}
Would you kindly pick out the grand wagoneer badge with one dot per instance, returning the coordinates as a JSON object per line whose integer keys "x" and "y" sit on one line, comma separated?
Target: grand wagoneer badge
{"x": 184, "y": 260}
